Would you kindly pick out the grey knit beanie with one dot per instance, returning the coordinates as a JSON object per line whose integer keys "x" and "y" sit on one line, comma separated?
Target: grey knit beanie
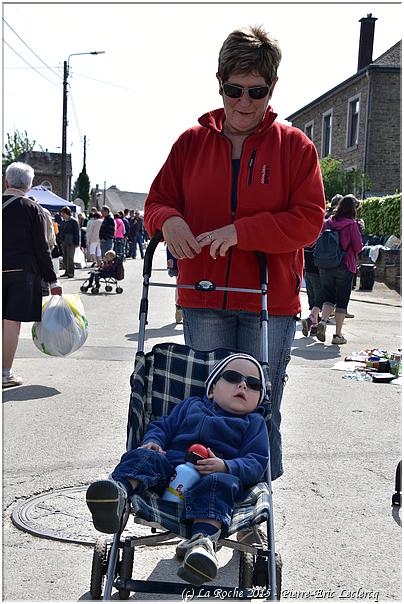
{"x": 218, "y": 368}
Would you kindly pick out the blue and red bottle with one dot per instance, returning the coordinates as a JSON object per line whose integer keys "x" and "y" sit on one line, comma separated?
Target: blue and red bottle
{"x": 185, "y": 474}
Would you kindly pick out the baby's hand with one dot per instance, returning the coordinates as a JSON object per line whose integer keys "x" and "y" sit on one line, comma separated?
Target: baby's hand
{"x": 210, "y": 465}
{"x": 153, "y": 446}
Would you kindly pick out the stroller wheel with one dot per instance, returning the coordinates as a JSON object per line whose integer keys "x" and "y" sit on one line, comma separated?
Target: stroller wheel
{"x": 253, "y": 572}
{"x": 246, "y": 570}
{"x": 95, "y": 290}
{"x": 126, "y": 568}
{"x": 119, "y": 290}
{"x": 99, "y": 568}
{"x": 108, "y": 288}
{"x": 83, "y": 289}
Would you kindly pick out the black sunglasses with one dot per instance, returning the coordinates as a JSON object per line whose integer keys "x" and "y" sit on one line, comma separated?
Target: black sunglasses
{"x": 234, "y": 377}
{"x": 255, "y": 92}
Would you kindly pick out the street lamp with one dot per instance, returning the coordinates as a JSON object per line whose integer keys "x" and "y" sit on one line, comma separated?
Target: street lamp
{"x": 64, "y": 121}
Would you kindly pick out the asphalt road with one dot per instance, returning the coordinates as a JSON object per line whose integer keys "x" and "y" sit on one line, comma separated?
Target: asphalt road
{"x": 335, "y": 529}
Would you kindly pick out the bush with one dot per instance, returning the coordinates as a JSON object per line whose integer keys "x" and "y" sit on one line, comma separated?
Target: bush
{"x": 382, "y": 215}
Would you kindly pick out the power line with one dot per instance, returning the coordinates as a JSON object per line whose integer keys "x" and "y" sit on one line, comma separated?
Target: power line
{"x": 32, "y": 67}
{"x": 29, "y": 48}
{"x": 102, "y": 81}
{"x": 75, "y": 114}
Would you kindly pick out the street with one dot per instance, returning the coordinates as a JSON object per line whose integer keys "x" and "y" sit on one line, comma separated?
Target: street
{"x": 66, "y": 426}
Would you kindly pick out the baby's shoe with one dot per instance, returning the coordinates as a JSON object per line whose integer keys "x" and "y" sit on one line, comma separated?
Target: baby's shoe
{"x": 200, "y": 563}
{"x": 107, "y": 500}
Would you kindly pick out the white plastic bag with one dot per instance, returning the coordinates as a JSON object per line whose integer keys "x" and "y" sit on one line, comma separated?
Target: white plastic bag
{"x": 79, "y": 259}
{"x": 64, "y": 326}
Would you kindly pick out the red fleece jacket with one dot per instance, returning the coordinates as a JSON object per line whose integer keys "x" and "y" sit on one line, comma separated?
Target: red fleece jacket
{"x": 280, "y": 209}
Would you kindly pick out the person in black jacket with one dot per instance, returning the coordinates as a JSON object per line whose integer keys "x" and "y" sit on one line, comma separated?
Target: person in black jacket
{"x": 107, "y": 231}
{"x": 26, "y": 259}
{"x": 70, "y": 238}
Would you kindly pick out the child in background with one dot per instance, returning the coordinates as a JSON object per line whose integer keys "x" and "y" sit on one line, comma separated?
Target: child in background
{"x": 107, "y": 269}
{"x": 228, "y": 421}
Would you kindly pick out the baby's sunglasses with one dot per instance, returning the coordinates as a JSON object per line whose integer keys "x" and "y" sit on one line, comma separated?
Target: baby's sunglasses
{"x": 254, "y": 92}
{"x": 234, "y": 377}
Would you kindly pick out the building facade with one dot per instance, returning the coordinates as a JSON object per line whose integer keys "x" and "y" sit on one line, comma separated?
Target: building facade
{"x": 48, "y": 169}
{"x": 359, "y": 121}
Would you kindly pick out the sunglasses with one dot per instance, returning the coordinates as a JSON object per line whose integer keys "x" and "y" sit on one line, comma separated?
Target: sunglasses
{"x": 255, "y": 92}
{"x": 234, "y": 377}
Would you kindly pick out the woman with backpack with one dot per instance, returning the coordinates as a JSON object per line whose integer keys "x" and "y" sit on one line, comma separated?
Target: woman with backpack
{"x": 336, "y": 255}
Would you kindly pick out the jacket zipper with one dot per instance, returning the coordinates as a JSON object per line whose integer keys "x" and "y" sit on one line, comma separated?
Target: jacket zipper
{"x": 251, "y": 167}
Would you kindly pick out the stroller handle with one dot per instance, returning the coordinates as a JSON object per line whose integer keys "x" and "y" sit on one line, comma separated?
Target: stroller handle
{"x": 158, "y": 236}
{"x": 149, "y": 253}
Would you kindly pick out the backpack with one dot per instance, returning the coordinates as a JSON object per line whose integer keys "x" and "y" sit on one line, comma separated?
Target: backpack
{"x": 328, "y": 252}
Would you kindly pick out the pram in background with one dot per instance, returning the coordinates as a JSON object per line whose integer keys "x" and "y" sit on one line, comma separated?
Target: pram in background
{"x": 110, "y": 279}
{"x": 161, "y": 379}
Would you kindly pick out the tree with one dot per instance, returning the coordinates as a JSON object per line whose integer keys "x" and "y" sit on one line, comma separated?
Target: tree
{"x": 81, "y": 187}
{"x": 16, "y": 144}
{"x": 337, "y": 180}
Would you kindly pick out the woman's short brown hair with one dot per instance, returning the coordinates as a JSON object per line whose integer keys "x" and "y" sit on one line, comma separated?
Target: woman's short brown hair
{"x": 249, "y": 50}
{"x": 66, "y": 211}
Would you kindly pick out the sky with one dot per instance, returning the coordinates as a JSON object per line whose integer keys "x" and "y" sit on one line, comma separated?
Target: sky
{"x": 157, "y": 75}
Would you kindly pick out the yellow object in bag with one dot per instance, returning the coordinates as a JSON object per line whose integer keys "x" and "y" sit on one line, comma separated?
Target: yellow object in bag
{"x": 64, "y": 326}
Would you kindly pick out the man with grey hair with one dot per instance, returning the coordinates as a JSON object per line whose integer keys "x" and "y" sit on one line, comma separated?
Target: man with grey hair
{"x": 26, "y": 259}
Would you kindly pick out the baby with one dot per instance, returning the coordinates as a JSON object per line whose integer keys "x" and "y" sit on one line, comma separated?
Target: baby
{"x": 107, "y": 269}
{"x": 228, "y": 420}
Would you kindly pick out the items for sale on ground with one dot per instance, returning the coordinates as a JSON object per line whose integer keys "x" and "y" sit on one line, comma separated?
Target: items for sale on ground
{"x": 375, "y": 365}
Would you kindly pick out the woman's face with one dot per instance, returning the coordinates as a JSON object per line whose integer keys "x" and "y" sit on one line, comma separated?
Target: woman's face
{"x": 243, "y": 115}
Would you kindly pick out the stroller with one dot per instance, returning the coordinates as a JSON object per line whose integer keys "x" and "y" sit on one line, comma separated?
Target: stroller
{"x": 161, "y": 379}
{"x": 110, "y": 279}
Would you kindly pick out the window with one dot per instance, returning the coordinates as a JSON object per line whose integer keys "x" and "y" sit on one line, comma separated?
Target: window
{"x": 308, "y": 129}
{"x": 326, "y": 134}
{"x": 353, "y": 122}
{"x": 46, "y": 184}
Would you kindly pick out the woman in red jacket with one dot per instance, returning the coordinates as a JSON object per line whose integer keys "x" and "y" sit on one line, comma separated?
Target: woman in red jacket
{"x": 237, "y": 183}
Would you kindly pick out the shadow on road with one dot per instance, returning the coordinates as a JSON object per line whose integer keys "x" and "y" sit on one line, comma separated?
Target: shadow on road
{"x": 28, "y": 393}
{"x": 171, "y": 329}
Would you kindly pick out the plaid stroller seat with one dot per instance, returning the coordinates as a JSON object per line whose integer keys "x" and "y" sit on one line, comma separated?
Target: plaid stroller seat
{"x": 161, "y": 379}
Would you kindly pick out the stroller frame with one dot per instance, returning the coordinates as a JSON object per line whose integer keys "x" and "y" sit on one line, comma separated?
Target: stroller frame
{"x": 262, "y": 576}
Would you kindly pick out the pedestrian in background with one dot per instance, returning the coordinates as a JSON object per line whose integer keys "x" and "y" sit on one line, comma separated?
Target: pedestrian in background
{"x": 26, "y": 259}
{"x": 69, "y": 234}
{"x": 314, "y": 292}
{"x": 93, "y": 238}
{"x": 238, "y": 183}
{"x": 137, "y": 234}
{"x": 107, "y": 231}
{"x": 119, "y": 239}
{"x": 337, "y": 282}
{"x": 333, "y": 205}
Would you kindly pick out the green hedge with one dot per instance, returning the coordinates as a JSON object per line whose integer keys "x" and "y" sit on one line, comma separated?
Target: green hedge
{"x": 382, "y": 215}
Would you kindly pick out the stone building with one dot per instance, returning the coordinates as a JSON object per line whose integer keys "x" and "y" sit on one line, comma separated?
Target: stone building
{"x": 117, "y": 200}
{"x": 48, "y": 169}
{"x": 359, "y": 121}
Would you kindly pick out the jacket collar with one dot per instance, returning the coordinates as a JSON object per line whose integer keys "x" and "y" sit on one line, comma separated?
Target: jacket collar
{"x": 214, "y": 120}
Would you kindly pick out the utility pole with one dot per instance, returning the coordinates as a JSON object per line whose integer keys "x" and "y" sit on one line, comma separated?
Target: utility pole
{"x": 84, "y": 153}
{"x": 65, "y": 193}
{"x": 64, "y": 129}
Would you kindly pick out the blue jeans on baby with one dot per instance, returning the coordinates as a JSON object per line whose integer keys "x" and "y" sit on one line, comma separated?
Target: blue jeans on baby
{"x": 207, "y": 329}
{"x": 213, "y": 496}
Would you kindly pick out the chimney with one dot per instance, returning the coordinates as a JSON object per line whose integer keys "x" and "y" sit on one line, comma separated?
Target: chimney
{"x": 366, "y": 41}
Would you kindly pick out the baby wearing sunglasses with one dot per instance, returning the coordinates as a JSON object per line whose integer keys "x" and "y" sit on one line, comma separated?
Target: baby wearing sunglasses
{"x": 229, "y": 421}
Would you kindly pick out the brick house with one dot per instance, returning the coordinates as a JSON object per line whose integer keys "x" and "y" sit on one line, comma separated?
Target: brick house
{"x": 359, "y": 121}
{"x": 48, "y": 169}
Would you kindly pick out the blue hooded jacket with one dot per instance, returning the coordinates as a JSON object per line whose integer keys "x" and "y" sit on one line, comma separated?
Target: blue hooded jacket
{"x": 241, "y": 441}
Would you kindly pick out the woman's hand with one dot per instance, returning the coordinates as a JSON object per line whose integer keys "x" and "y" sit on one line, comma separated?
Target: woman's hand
{"x": 210, "y": 465}
{"x": 220, "y": 240}
{"x": 179, "y": 238}
{"x": 153, "y": 447}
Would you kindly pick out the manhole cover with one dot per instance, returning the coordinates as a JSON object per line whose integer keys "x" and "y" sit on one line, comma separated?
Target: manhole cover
{"x": 63, "y": 515}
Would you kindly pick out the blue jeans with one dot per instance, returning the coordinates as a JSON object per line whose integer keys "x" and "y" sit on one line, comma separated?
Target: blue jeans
{"x": 313, "y": 289}
{"x": 207, "y": 329}
{"x": 119, "y": 247}
{"x": 213, "y": 496}
{"x": 106, "y": 245}
{"x": 337, "y": 286}
{"x": 138, "y": 241}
